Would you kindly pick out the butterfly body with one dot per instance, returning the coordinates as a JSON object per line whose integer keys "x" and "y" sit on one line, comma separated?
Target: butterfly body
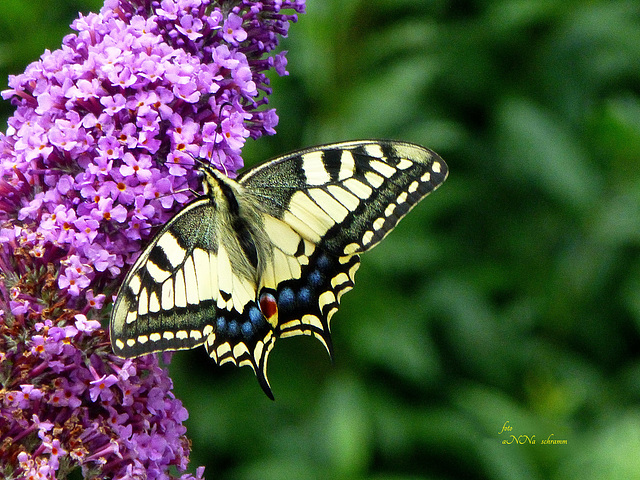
{"x": 270, "y": 254}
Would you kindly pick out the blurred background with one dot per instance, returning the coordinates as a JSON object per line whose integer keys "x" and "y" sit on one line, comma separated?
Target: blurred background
{"x": 511, "y": 295}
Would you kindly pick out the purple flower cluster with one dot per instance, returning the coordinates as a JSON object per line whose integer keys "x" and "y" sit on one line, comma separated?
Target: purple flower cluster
{"x": 106, "y": 127}
{"x": 70, "y": 403}
{"x": 100, "y": 150}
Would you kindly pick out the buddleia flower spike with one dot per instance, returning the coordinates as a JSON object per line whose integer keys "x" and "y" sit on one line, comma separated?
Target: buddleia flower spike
{"x": 92, "y": 159}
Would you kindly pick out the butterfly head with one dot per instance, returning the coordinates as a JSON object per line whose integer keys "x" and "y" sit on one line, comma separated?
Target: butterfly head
{"x": 210, "y": 176}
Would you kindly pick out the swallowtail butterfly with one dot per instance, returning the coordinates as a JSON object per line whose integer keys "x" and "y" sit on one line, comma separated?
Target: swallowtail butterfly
{"x": 270, "y": 254}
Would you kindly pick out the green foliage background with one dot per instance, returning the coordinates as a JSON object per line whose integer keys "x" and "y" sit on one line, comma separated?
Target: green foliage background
{"x": 512, "y": 294}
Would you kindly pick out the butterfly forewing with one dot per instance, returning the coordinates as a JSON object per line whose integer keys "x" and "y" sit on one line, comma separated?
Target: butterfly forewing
{"x": 271, "y": 254}
{"x": 347, "y": 197}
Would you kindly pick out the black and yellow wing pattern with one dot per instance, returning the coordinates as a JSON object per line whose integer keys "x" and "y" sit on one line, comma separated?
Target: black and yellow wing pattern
{"x": 270, "y": 254}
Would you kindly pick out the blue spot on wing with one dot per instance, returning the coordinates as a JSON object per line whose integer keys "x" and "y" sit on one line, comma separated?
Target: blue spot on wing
{"x": 323, "y": 262}
{"x": 304, "y": 295}
{"x": 315, "y": 278}
{"x": 233, "y": 328}
{"x": 255, "y": 316}
{"x": 286, "y": 298}
{"x": 247, "y": 329}
{"x": 221, "y": 325}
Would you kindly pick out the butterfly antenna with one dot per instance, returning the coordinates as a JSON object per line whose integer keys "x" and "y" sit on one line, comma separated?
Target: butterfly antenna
{"x": 225, "y": 104}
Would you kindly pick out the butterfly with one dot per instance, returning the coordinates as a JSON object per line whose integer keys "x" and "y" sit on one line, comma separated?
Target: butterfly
{"x": 269, "y": 254}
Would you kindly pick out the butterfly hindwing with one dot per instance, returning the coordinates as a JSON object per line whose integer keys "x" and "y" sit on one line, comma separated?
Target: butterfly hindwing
{"x": 269, "y": 255}
{"x": 155, "y": 308}
{"x": 305, "y": 282}
{"x": 185, "y": 290}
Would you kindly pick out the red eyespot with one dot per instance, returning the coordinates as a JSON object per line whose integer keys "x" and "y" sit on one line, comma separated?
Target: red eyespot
{"x": 268, "y": 305}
